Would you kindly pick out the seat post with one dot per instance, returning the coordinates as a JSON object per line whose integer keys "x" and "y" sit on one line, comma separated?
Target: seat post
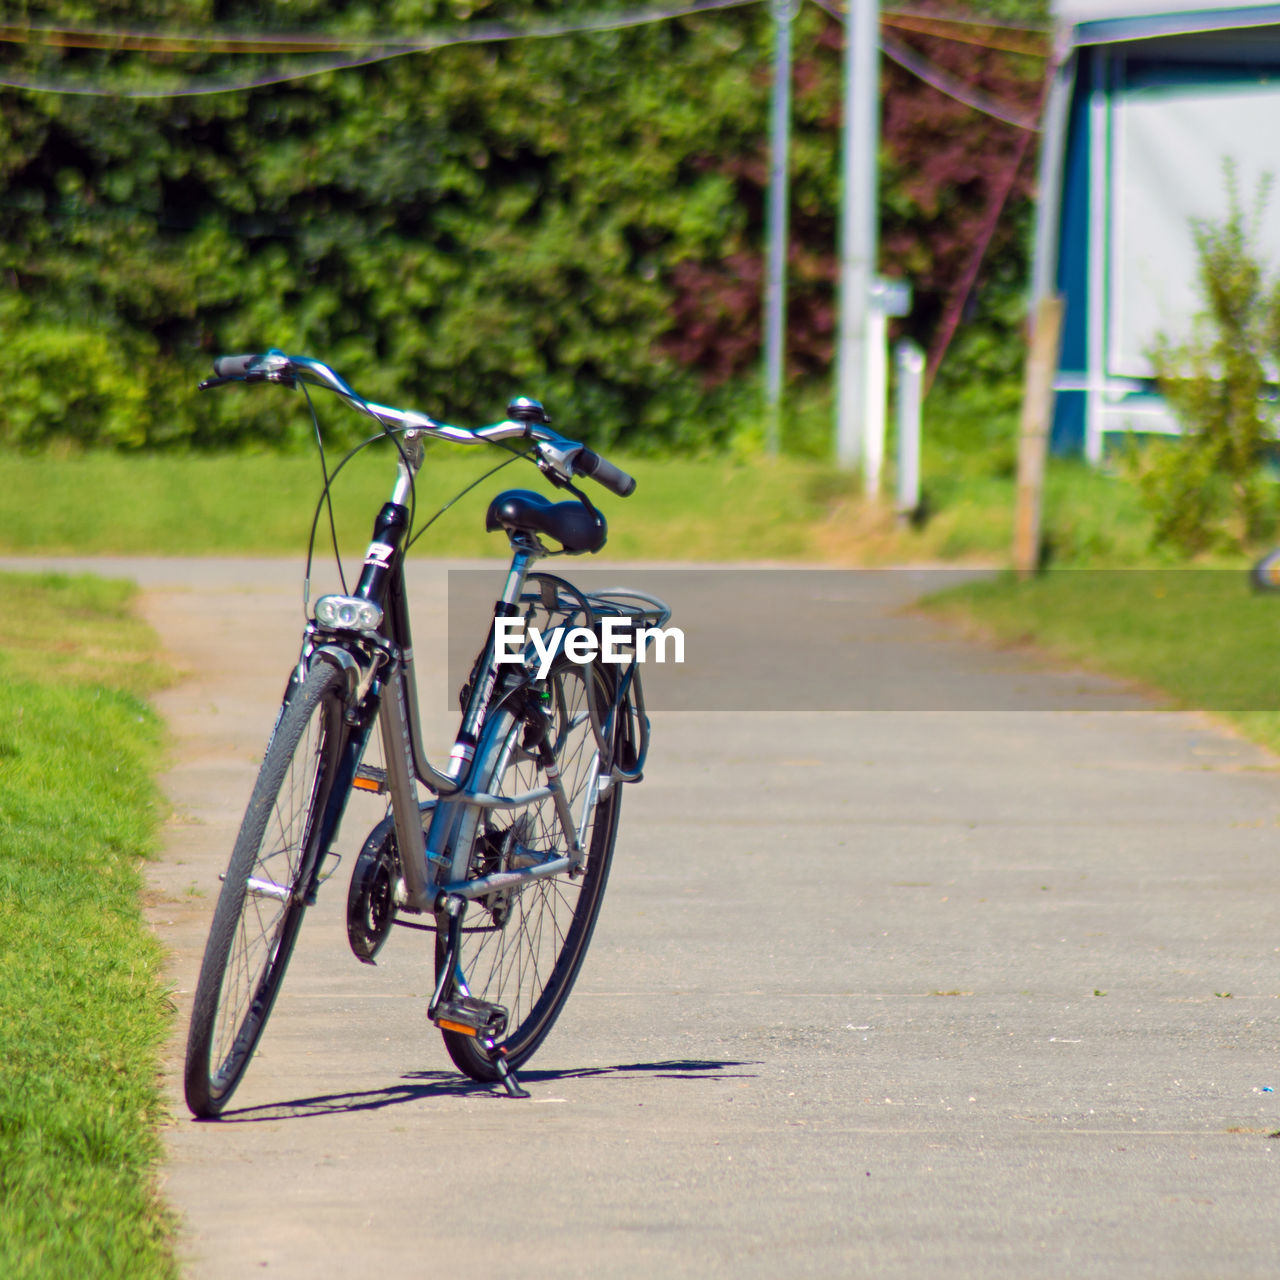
{"x": 523, "y": 554}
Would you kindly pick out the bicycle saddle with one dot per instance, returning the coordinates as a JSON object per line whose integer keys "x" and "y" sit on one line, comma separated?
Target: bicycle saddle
{"x": 569, "y": 523}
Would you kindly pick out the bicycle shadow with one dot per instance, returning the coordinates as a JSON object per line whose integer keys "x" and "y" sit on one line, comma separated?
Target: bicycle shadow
{"x": 421, "y": 1086}
{"x": 674, "y": 1069}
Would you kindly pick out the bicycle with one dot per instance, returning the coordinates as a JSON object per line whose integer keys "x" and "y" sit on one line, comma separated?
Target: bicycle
{"x": 506, "y": 859}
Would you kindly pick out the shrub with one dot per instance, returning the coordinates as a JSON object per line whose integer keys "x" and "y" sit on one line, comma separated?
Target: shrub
{"x": 1207, "y": 489}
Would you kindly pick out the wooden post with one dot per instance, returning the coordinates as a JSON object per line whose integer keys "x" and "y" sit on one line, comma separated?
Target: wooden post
{"x": 1033, "y": 440}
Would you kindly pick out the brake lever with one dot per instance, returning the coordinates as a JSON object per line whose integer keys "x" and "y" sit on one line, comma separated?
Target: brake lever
{"x": 551, "y": 475}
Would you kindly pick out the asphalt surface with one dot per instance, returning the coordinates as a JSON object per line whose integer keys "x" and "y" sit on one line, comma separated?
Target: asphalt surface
{"x": 987, "y": 991}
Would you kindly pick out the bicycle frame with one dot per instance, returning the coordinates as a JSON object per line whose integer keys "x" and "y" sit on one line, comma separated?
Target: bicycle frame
{"x": 380, "y": 669}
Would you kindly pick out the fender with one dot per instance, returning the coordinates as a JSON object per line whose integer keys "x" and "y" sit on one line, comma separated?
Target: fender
{"x": 359, "y": 674}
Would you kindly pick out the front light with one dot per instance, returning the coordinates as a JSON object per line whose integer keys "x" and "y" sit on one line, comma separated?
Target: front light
{"x": 348, "y": 613}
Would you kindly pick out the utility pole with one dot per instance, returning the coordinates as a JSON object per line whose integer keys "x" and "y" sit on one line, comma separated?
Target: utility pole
{"x": 858, "y": 227}
{"x": 775, "y": 297}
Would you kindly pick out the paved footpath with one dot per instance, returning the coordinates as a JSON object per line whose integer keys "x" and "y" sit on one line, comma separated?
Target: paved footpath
{"x": 990, "y": 992}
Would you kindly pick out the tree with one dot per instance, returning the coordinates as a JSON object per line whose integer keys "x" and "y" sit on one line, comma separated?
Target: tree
{"x": 578, "y": 218}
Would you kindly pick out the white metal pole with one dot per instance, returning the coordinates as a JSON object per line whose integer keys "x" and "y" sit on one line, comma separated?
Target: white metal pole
{"x": 877, "y": 393}
{"x": 1099, "y": 193}
{"x": 857, "y": 222}
{"x": 775, "y": 300}
{"x": 910, "y": 362}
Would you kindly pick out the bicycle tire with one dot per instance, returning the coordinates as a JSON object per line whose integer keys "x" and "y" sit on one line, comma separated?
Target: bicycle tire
{"x": 254, "y": 929}
{"x": 524, "y": 950}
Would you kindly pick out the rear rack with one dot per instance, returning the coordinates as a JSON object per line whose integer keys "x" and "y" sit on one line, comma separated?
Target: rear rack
{"x": 647, "y": 610}
{"x": 621, "y": 727}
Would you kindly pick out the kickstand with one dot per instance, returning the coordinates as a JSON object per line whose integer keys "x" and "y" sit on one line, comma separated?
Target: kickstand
{"x": 508, "y": 1077}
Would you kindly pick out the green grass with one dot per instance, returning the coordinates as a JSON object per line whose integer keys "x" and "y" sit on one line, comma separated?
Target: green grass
{"x": 1111, "y": 600}
{"x": 700, "y": 509}
{"x": 1201, "y": 635}
{"x": 690, "y": 508}
{"x": 82, "y": 1011}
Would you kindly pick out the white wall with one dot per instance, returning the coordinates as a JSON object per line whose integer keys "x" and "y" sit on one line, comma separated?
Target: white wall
{"x": 1167, "y": 151}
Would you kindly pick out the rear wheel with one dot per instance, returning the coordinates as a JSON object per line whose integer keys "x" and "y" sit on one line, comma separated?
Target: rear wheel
{"x": 260, "y": 908}
{"x": 522, "y": 949}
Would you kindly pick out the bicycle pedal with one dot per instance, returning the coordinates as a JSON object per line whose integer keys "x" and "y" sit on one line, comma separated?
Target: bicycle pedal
{"x": 370, "y": 778}
{"x": 471, "y": 1017}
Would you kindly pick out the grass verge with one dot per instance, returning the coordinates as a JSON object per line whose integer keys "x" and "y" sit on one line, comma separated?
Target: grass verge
{"x": 685, "y": 508}
{"x": 700, "y": 509}
{"x": 263, "y": 504}
{"x": 82, "y": 1011}
{"x": 1203, "y": 636}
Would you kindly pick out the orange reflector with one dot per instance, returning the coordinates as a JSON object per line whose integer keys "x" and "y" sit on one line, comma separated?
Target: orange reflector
{"x": 365, "y": 784}
{"x": 445, "y": 1025}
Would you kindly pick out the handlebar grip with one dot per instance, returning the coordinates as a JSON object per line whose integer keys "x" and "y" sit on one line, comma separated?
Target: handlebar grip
{"x": 233, "y": 366}
{"x": 586, "y": 463}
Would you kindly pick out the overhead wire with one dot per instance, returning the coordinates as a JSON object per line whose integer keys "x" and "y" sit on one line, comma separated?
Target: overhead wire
{"x": 907, "y": 58}
{"x": 966, "y": 94}
{"x": 142, "y": 41}
{"x": 896, "y": 16}
{"x": 135, "y": 40}
{"x": 994, "y": 24}
{"x": 940, "y": 30}
{"x": 380, "y": 48}
{"x": 945, "y": 83}
{"x": 192, "y": 89}
{"x": 131, "y": 40}
{"x": 386, "y": 48}
{"x": 383, "y": 48}
{"x": 960, "y": 295}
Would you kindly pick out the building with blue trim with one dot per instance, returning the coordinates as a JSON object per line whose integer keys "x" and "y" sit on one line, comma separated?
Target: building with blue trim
{"x": 1149, "y": 105}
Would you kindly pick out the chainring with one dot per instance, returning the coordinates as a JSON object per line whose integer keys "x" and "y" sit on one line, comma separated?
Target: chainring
{"x": 371, "y": 899}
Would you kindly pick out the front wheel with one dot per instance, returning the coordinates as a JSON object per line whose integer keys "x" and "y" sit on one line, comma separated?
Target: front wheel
{"x": 522, "y": 949}
{"x": 260, "y": 908}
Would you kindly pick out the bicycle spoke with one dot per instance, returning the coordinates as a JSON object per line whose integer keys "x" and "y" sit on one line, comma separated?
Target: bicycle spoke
{"x": 260, "y": 908}
{"x": 521, "y": 948}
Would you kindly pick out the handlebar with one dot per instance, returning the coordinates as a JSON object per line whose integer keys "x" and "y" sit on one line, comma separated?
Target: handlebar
{"x": 602, "y": 471}
{"x": 564, "y": 457}
{"x": 233, "y": 366}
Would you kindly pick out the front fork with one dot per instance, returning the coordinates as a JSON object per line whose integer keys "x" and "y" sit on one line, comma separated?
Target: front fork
{"x": 358, "y": 720}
